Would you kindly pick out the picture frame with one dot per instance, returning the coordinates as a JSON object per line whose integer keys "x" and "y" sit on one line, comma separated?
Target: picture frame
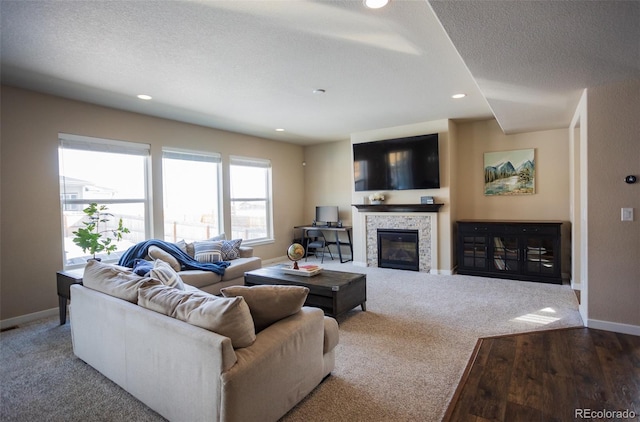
{"x": 508, "y": 173}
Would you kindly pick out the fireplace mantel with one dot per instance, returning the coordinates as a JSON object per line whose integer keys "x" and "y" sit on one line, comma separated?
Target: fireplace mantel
{"x": 398, "y": 207}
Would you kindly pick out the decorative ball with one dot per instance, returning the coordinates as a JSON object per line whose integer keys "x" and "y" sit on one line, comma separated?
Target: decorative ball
{"x": 295, "y": 252}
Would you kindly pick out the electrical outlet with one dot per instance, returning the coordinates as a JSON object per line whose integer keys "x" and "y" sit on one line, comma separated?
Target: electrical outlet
{"x": 627, "y": 214}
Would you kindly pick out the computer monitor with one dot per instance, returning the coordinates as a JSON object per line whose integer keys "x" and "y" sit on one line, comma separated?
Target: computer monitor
{"x": 327, "y": 215}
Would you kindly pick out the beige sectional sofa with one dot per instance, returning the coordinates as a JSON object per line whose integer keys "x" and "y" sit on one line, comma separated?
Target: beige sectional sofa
{"x": 208, "y": 281}
{"x": 148, "y": 338}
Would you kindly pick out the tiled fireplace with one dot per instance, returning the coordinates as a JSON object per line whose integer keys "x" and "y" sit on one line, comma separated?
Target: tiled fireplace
{"x": 421, "y": 223}
{"x": 422, "y": 218}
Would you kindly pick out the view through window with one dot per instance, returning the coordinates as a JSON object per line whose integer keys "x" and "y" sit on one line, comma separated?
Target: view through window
{"x": 111, "y": 173}
{"x": 251, "y": 205}
{"x": 191, "y": 195}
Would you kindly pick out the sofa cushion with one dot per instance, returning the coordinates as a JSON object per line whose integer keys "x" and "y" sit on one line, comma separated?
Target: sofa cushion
{"x": 239, "y": 266}
{"x": 162, "y": 298}
{"x": 164, "y": 273}
{"x": 231, "y": 249}
{"x": 229, "y": 317}
{"x": 200, "y": 278}
{"x": 208, "y": 251}
{"x": 155, "y": 252}
{"x": 269, "y": 303}
{"x": 114, "y": 280}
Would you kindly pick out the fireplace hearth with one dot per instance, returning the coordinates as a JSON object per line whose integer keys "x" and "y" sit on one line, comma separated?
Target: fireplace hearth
{"x": 398, "y": 249}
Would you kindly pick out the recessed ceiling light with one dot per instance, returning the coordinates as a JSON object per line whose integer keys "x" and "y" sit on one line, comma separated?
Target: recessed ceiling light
{"x": 279, "y": 130}
{"x": 319, "y": 91}
{"x": 375, "y": 4}
{"x": 458, "y": 96}
{"x": 144, "y": 97}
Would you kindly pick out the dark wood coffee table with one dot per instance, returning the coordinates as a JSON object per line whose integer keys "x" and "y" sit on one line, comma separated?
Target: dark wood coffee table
{"x": 335, "y": 292}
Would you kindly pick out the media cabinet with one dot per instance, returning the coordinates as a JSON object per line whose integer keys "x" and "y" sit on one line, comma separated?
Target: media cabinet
{"x": 520, "y": 250}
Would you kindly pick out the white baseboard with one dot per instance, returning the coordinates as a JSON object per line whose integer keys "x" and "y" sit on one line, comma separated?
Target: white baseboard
{"x": 616, "y": 327}
{"x": 23, "y": 319}
{"x": 441, "y": 272}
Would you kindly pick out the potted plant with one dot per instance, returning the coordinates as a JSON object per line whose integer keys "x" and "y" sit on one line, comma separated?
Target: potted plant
{"x": 92, "y": 237}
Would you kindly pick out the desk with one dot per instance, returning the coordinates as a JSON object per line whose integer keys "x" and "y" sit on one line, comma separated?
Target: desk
{"x": 336, "y": 231}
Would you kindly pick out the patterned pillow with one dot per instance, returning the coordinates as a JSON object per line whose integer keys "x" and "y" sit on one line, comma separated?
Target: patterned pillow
{"x": 163, "y": 272}
{"x": 231, "y": 249}
{"x": 208, "y": 251}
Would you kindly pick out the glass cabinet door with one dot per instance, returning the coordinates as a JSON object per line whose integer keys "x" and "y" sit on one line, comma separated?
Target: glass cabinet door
{"x": 474, "y": 252}
{"x": 506, "y": 256}
{"x": 540, "y": 255}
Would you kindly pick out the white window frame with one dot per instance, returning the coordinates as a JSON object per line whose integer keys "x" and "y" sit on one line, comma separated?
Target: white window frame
{"x": 86, "y": 143}
{"x": 259, "y": 163}
{"x": 191, "y": 155}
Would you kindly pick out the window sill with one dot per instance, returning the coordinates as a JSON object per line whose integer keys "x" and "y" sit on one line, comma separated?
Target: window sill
{"x": 258, "y": 242}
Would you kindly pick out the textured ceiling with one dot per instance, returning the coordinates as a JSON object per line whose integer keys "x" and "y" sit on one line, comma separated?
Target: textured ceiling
{"x": 252, "y": 66}
{"x": 532, "y": 59}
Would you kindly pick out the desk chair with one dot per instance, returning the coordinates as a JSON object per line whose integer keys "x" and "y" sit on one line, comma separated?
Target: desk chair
{"x": 316, "y": 241}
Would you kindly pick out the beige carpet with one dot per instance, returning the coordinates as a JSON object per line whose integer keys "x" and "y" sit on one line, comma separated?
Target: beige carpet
{"x": 399, "y": 361}
{"x": 403, "y": 358}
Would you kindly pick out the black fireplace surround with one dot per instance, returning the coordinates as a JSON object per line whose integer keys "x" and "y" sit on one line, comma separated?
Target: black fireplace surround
{"x": 398, "y": 249}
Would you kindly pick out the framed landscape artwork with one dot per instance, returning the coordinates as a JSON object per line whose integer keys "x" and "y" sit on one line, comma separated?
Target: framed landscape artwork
{"x": 509, "y": 172}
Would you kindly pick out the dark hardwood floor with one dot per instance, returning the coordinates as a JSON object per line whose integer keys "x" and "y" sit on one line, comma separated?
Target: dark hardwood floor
{"x": 556, "y": 375}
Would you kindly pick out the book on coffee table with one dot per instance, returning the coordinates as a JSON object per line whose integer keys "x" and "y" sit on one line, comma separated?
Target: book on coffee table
{"x": 303, "y": 270}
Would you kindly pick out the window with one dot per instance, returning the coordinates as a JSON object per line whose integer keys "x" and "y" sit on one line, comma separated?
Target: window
{"x": 111, "y": 173}
{"x": 251, "y": 205}
{"x": 191, "y": 192}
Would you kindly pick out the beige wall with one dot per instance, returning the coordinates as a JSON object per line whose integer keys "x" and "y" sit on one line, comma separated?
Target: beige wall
{"x": 31, "y": 219}
{"x": 613, "y": 152}
{"x": 327, "y": 175}
{"x": 551, "y": 198}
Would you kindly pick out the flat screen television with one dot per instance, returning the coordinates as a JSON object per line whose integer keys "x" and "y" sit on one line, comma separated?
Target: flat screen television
{"x": 397, "y": 164}
{"x": 327, "y": 215}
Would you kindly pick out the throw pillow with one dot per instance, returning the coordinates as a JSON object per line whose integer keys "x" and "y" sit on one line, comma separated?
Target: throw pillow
{"x": 142, "y": 266}
{"x": 155, "y": 252}
{"x": 269, "y": 304}
{"x": 183, "y": 246}
{"x": 228, "y": 317}
{"x": 163, "y": 272}
{"x": 231, "y": 249}
{"x": 113, "y": 280}
{"x": 208, "y": 251}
